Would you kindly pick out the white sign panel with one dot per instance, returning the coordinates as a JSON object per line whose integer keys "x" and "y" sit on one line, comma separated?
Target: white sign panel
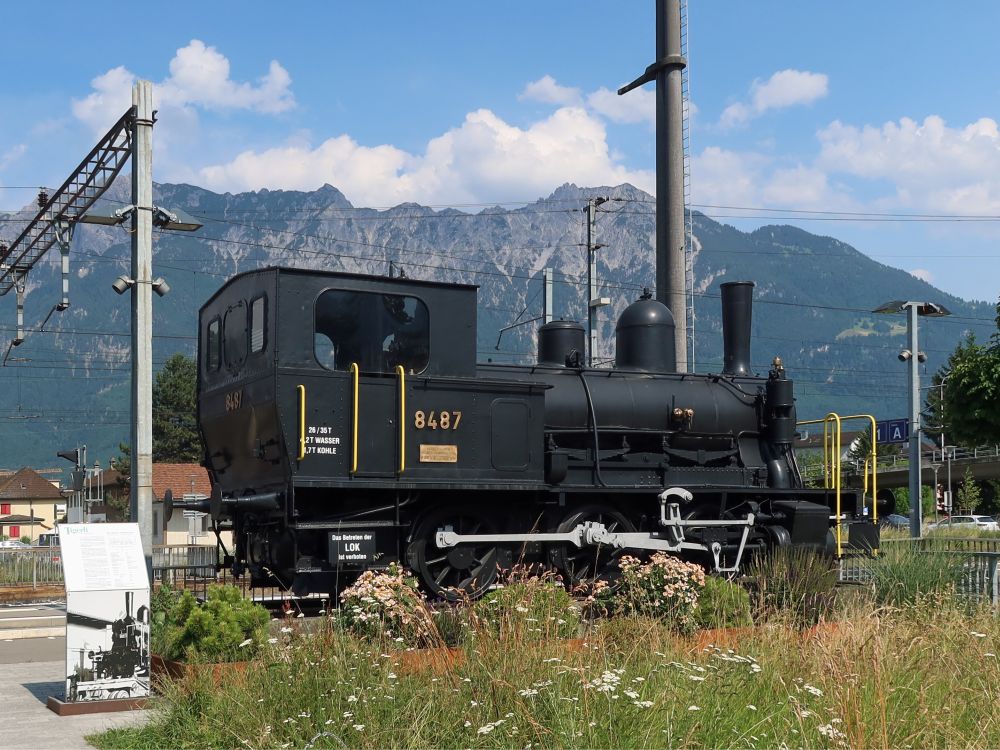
{"x": 102, "y": 556}
{"x": 107, "y": 611}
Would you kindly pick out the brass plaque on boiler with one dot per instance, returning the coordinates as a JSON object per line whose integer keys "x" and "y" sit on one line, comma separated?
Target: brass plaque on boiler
{"x": 439, "y": 454}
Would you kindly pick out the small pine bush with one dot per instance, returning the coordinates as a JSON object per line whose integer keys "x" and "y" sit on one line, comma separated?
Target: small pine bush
{"x": 226, "y": 627}
{"x": 723, "y": 604}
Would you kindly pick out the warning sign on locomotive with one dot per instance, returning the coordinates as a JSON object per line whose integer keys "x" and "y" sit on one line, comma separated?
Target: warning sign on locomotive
{"x": 352, "y": 548}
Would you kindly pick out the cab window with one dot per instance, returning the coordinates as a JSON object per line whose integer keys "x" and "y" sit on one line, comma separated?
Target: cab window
{"x": 258, "y": 325}
{"x": 377, "y": 331}
{"x": 213, "y": 345}
{"x": 234, "y": 332}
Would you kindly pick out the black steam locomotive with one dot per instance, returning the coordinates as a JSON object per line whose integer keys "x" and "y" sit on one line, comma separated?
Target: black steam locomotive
{"x": 347, "y": 425}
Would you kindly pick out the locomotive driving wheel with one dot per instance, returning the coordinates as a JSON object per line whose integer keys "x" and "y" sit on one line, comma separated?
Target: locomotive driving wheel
{"x": 588, "y": 564}
{"x": 468, "y": 568}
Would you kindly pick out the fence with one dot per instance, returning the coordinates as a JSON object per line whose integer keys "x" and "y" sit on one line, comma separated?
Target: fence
{"x": 977, "y": 565}
{"x": 40, "y": 566}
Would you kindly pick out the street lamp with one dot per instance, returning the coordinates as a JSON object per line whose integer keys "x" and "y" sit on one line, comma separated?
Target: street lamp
{"x": 912, "y": 355}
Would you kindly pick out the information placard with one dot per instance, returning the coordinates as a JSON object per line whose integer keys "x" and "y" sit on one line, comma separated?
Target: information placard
{"x": 107, "y": 612}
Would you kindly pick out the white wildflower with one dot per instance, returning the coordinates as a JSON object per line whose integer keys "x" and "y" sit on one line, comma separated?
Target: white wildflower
{"x": 811, "y": 689}
{"x": 358, "y": 727}
{"x": 286, "y": 630}
{"x": 643, "y": 704}
{"x": 751, "y": 706}
{"x": 246, "y": 643}
{"x": 527, "y": 692}
{"x": 694, "y": 708}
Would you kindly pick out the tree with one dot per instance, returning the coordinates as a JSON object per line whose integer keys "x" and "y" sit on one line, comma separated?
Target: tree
{"x": 969, "y": 494}
{"x": 175, "y": 428}
{"x": 971, "y": 409}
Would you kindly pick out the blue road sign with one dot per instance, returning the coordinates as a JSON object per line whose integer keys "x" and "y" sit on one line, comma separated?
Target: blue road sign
{"x": 892, "y": 431}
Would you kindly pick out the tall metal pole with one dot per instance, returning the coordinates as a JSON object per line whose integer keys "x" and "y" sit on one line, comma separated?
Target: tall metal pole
{"x": 592, "y": 299}
{"x": 547, "y": 295}
{"x": 671, "y": 271}
{"x": 141, "y": 499}
{"x": 916, "y": 510}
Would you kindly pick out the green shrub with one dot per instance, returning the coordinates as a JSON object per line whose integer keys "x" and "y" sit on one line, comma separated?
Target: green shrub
{"x": 226, "y": 627}
{"x": 795, "y": 583}
{"x": 723, "y": 604}
{"x": 161, "y": 602}
{"x": 528, "y": 607}
{"x": 665, "y": 587}
{"x": 387, "y": 603}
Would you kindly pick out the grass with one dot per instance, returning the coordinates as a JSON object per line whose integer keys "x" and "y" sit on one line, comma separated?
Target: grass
{"x": 917, "y": 675}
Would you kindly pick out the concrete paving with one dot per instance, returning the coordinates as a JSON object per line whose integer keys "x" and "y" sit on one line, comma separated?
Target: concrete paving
{"x": 31, "y": 670}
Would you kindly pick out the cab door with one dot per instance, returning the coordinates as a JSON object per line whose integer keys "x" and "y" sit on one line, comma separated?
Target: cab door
{"x": 378, "y": 426}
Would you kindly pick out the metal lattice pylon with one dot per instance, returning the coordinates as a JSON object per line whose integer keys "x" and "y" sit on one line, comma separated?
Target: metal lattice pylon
{"x": 67, "y": 204}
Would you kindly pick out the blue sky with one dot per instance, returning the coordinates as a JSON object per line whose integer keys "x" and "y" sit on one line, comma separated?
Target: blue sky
{"x": 881, "y": 109}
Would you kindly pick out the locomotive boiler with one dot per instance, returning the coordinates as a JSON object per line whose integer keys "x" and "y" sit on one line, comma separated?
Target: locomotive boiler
{"x": 348, "y": 425}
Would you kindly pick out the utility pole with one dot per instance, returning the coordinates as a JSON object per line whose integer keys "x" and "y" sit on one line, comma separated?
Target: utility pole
{"x": 594, "y": 301}
{"x": 141, "y": 484}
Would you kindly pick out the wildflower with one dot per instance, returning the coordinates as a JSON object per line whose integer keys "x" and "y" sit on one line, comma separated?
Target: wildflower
{"x": 300, "y": 615}
{"x": 358, "y": 727}
{"x": 286, "y": 630}
{"x": 632, "y": 694}
{"x": 328, "y": 721}
{"x": 348, "y": 714}
{"x": 751, "y": 706}
{"x": 272, "y": 640}
{"x": 527, "y": 692}
{"x": 974, "y": 634}
{"x": 813, "y": 690}
{"x": 643, "y": 704}
{"x": 696, "y": 678}
{"x": 352, "y": 699}
{"x": 694, "y": 708}
{"x": 247, "y": 642}
{"x": 304, "y": 715}
{"x": 830, "y": 731}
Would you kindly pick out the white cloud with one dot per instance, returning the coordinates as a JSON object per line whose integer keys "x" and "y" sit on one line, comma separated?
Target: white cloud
{"x": 199, "y": 77}
{"x": 932, "y": 166}
{"x": 547, "y": 91}
{"x": 638, "y": 105}
{"x": 786, "y": 88}
{"x": 483, "y": 159}
{"x": 12, "y": 154}
{"x": 923, "y": 274}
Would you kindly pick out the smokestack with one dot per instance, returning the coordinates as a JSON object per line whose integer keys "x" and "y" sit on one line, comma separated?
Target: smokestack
{"x": 737, "y": 313}
{"x": 671, "y": 280}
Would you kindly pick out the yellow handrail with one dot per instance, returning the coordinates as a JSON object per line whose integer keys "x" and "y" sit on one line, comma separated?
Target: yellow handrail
{"x": 402, "y": 417}
{"x": 355, "y": 372}
{"x": 874, "y": 462}
{"x": 302, "y": 421}
{"x": 831, "y": 466}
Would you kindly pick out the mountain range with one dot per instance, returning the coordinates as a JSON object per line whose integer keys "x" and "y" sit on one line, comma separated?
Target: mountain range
{"x": 67, "y": 385}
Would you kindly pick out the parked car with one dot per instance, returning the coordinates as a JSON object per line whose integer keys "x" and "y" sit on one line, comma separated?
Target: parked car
{"x": 895, "y": 521}
{"x": 14, "y": 544}
{"x": 984, "y": 523}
